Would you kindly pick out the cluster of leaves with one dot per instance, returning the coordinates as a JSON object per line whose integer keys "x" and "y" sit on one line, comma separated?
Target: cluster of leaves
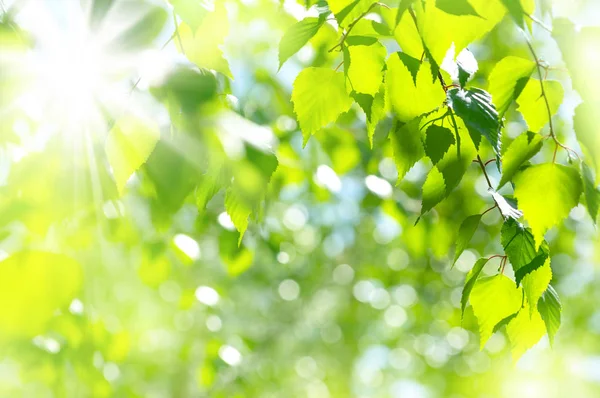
{"x": 445, "y": 123}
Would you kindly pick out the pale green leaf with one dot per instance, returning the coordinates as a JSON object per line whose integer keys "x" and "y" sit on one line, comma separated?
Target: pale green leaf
{"x": 516, "y": 11}
{"x": 507, "y": 80}
{"x": 493, "y": 299}
{"x": 409, "y": 100}
{"x": 319, "y": 97}
{"x": 434, "y": 190}
{"x": 238, "y": 210}
{"x": 407, "y": 146}
{"x": 524, "y": 331}
{"x": 365, "y": 69}
{"x": 297, "y": 36}
{"x": 465, "y": 233}
{"x": 523, "y": 148}
{"x": 346, "y": 11}
{"x": 237, "y": 258}
{"x": 129, "y": 143}
{"x": 440, "y": 30}
{"x": 550, "y": 308}
{"x": 456, "y": 7}
{"x": 546, "y": 193}
{"x": 203, "y": 45}
{"x": 470, "y": 281}
{"x": 533, "y": 106}
{"x": 535, "y": 284}
{"x": 33, "y": 287}
{"x": 407, "y": 36}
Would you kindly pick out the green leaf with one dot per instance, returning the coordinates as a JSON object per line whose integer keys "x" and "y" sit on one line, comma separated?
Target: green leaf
{"x": 202, "y": 45}
{"x": 346, "y": 11}
{"x": 374, "y": 108}
{"x": 470, "y": 281}
{"x": 210, "y": 184}
{"x": 438, "y": 140}
{"x": 98, "y": 11}
{"x": 128, "y": 146}
{"x": 192, "y": 12}
{"x": 535, "y": 284}
{"x": 456, "y": 7}
{"x": 407, "y": 146}
{"x": 239, "y": 210}
{"x": 434, "y": 190}
{"x": 546, "y": 193}
{"x": 591, "y": 192}
{"x": 407, "y": 36}
{"x": 524, "y": 331}
{"x": 297, "y": 36}
{"x": 493, "y": 299}
{"x": 465, "y": 233}
{"x": 519, "y": 246}
{"x": 475, "y": 108}
{"x": 237, "y": 259}
{"x": 408, "y": 99}
{"x": 533, "y": 106}
{"x": 550, "y": 308}
{"x": 364, "y": 73}
{"x": 507, "y": 80}
{"x": 587, "y": 129}
{"x": 516, "y": 11}
{"x": 440, "y": 30}
{"x": 523, "y": 148}
{"x": 319, "y": 97}
{"x": 35, "y": 285}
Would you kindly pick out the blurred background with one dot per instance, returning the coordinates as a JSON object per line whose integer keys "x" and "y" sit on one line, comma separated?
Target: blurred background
{"x": 123, "y": 284}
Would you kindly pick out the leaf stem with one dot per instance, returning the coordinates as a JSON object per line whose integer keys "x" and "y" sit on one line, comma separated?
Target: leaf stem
{"x": 481, "y": 164}
{"x": 490, "y": 209}
{"x": 537, "y": 21}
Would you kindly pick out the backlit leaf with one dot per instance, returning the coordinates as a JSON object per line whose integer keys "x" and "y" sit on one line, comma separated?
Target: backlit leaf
{"x": 591, "y": 192}
{"x": 434, "y": 190}
{"x": 365, "y": 70}
{"x": 507, "y": 80}
{"x": 438, "y": 140}
{"x": 456, "y": 7}
{"x": 524, "y": 331}
{"x": 319, "y": 97}
{"x": 297, "y": 36}
{"x": 535, "y": 284}
{"x": 546, "y": 194}
{"x": 523, "y": 148}
{"x": 128, "y": 146}
{"x": 587, "y": 129}
{"x": 493, "y": 299}
{"x": 533, "y": 106}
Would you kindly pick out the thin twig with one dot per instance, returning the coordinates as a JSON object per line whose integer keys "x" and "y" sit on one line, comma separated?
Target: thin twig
{"x": 351, "y": 26}
{"x": 537, "y": 21}
{"x": 490, "y": 209}
{"x": 487, "y": 178}
{"x": 552, "y": 133}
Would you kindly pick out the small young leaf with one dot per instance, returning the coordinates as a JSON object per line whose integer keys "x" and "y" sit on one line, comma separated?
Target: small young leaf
{"x": 507, "y": 80}
{"x": 475, "y": 108}
{"x": 297, "y": 36}
{"x": 465, "y": 233}
{"x": 523, "y": 148}
{"x": 319, "y": 97}
{"x": 470, "y": 282}
{"x": 591, "y": 192}
{"x": 546, "y": 193}
{"x": 438, "y": 140}
{"x": 532, "y": 104}
{"x": 550, "y": 308}
{"x": 493, "y": 299}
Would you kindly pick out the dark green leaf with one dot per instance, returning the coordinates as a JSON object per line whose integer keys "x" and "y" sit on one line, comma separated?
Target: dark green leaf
{"x": 516, "y": 11}
{"x": 407, "y": 146}
{"x": 591, "y": 192}
{"x": 519, "y": 246}
{"x": 471, "y": 279}
{"x": 465, "y": 233}
{"x": 438, "y": 140}
{"x": 475, "y": 108}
